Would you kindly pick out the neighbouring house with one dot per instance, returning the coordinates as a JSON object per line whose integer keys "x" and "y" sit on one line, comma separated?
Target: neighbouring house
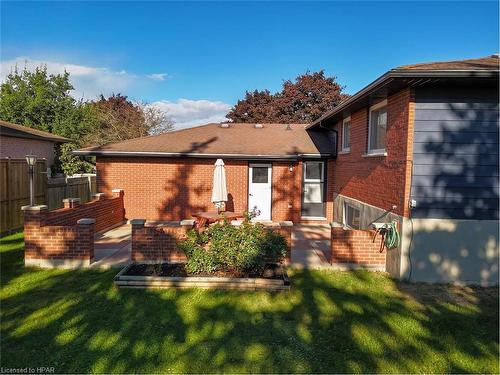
{"x": 17, "y": 141}
{"x": 418, "y": 146}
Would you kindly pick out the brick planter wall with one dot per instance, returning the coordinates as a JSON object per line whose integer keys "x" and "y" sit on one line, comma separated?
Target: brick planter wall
{"x": 352, "y": 248}
{"x": 65, "y": 237}
{"x": 157, "y": 243}
{"x": 154, "y": 243}
{"x": 106, "y": 211}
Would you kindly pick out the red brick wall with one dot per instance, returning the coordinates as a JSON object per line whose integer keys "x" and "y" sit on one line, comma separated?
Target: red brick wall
{"x": 56, "y": 242}
{"x": 287, "y": 190}
{"x": 378, "y": 181}
{"x": 170, "y": 189}
{"x": 107, "y": 212}
{"x": 167, "y": 189}
{"x": 50, "y": 235}
{"x": 157, "y": 243}
{"x": 350, "y": 246}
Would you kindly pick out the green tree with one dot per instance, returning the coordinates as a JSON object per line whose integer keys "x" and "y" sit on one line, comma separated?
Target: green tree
{"x": 43, "y": 101}
{"x": 40, "y": 100}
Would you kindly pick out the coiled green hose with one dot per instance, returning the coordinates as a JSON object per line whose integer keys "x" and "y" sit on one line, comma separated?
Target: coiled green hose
{"x": 391, "y": 236}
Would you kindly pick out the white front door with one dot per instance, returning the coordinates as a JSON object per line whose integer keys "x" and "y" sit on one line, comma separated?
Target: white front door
{"x": 259, "y": 190}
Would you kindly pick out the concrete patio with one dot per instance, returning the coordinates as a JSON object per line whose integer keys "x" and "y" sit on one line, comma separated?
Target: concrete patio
{"x": 310, "y": 247}
{"x": 112, "y": 248}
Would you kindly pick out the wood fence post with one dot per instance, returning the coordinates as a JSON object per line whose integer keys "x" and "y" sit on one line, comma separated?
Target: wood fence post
{"x": 10, "y": 220}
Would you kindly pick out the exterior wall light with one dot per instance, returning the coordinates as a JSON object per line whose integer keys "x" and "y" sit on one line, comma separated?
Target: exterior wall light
{"x": 31, "y": 160}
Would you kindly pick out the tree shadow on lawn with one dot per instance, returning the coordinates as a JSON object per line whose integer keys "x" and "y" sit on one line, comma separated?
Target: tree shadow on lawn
{"x": 77, "y": 321}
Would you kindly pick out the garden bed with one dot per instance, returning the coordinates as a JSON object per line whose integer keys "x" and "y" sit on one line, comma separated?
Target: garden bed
{"x": 174, "y": 275}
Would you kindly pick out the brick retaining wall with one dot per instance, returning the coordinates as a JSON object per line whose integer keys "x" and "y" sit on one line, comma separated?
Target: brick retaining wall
{"x": 353, "y": 248}
{"x": 154, "y": 243}
{"x": 65, "y": 237}
{"x": 106, "y": 211}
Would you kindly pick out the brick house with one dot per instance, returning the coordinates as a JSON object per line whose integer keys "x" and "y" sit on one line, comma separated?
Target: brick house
{"x": 418, "y": 146}
{"x": 280, "y": 169}
{"x": 17, "y": 141}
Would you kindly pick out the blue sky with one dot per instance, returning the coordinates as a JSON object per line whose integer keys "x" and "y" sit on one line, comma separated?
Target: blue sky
{"x": 197, "y": 59}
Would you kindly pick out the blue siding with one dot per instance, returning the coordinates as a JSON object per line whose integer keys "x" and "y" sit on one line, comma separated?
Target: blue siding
{"x": 456, "y": 152}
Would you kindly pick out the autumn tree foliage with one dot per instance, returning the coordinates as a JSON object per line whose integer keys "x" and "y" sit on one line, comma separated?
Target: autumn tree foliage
{"x": 300, "y": 101}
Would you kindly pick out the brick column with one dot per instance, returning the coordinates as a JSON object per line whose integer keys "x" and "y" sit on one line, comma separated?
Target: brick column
{"x": 71, "y": 202}
{"x": 286, "y": 228}
{"x": 34, "y": 216}
{"x": 186, "y": 225}
{"x": 117, "y": 192}
{"x": 98, "y": 196}
{"x": 34, "y": 219}
{"x": 85, "y": 240}
{"x": 139, "y": 240}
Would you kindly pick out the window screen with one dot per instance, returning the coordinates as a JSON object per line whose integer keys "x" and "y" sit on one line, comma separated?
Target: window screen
{"x": 346, "y": 135}
{"x": 260, "y": 175}
{"x": 378, "y": 126}
{"x": 351, "y": 216}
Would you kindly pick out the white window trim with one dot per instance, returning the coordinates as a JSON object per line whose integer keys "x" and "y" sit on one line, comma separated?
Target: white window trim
{"x": 344, "y": 216}
{"x": 377, "y": 151}
{"x": 263, "y": 165}
{"x": 322, "y": 179}
{"x": 346, "y": 150}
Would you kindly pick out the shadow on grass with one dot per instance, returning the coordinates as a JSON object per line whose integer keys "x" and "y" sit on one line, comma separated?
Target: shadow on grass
{"x": 77, "y": 321}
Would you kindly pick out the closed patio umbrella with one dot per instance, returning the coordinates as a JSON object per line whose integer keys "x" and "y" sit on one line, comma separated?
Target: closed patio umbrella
{"x": 219, "y": 190}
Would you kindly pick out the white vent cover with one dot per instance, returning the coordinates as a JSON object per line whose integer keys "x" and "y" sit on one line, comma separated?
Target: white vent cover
{"x": 258, "y": 126}
{"x": 225, "y": 125}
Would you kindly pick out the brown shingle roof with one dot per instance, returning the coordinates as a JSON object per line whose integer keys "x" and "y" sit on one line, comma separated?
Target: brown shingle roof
{"x": 482, "y": 63}
{"x": 485, "y": 67}
{"x": 273, "y": 140}
{"x": 15, "y": 130}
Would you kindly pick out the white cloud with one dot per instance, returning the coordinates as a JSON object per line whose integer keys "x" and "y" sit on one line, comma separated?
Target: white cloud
{"x": 158, "y": 76}
{"x": 88, "y": 81}
{"x": 187, "y": 113}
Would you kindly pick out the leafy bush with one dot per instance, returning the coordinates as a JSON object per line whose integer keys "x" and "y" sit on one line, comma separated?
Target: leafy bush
{"x": 224, "y": 247}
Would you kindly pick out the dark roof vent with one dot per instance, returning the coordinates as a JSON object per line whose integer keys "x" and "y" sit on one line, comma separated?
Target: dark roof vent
{"x": 258, "y": 126}
{"x": 288, "y": 127}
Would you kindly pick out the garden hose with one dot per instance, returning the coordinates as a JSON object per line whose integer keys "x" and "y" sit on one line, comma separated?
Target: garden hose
{"x": 391, "y": 235}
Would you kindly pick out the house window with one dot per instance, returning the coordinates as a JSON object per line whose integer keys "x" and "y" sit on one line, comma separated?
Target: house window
{"x": 377, "y": 127}
{"x": 346, "y": 135}
{"x": 351, "y": 216}
{"x": 313, "y": 171}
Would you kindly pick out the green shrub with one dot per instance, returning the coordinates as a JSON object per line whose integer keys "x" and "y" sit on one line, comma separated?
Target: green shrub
{"x": 223, "y": 247}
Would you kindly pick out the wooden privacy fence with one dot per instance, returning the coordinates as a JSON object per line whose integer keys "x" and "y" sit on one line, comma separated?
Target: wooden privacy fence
{"x": 77, "y": 186}
{"x": 15, "y": 190}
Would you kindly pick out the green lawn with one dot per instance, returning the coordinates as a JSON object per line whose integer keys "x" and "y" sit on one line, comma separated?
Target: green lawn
{"x": 77, "y": 321}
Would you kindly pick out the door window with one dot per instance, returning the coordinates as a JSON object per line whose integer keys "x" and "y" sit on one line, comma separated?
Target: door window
{"x": 260, "y": 175}
{"x": 313, "y": 171}
{"x": 313, "y": 190}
